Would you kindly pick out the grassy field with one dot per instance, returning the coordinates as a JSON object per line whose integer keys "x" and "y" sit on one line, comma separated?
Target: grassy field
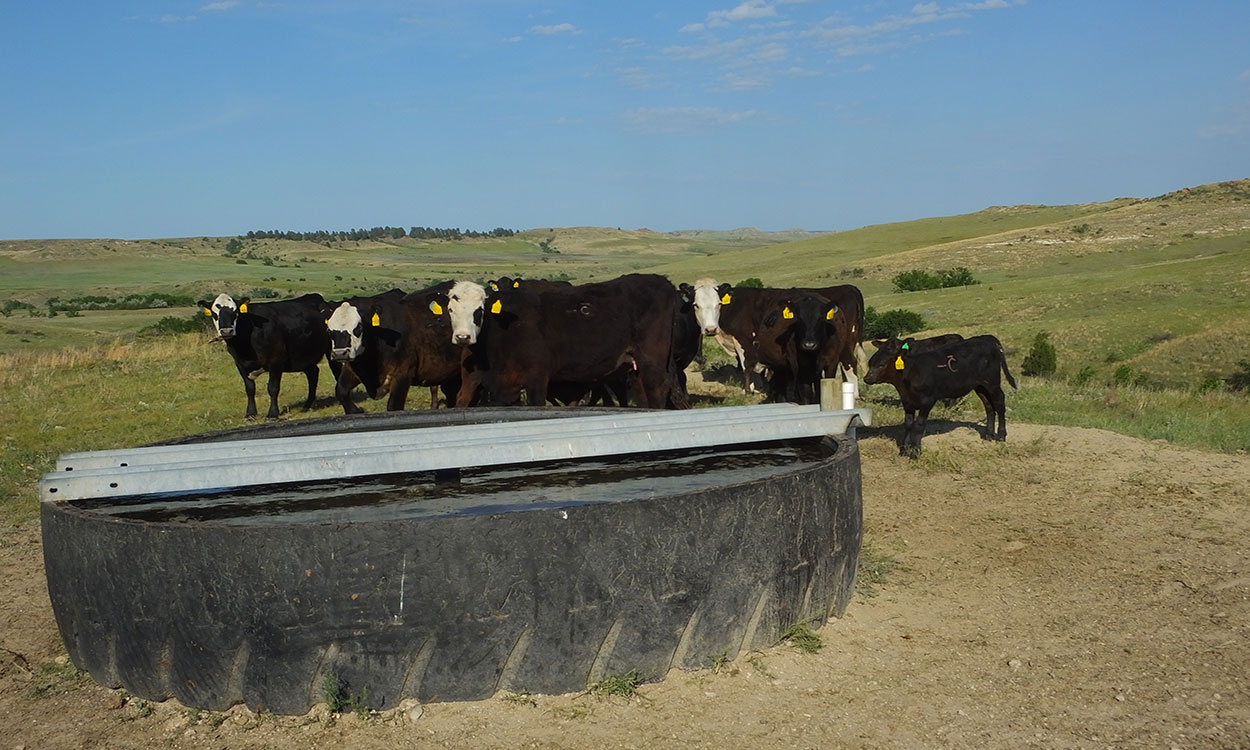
{"x": 1144, "y": 299}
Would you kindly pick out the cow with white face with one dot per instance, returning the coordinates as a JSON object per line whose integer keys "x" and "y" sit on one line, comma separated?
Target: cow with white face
{"x": 347, "y": 333}
{"x": 464, "y": 305}
{"x": 272, "y": 338}
{"x": 225, "y": 314}
{"x": 708, "y": 298}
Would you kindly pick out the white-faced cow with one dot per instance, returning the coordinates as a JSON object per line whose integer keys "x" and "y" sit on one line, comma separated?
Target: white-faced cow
{"x": 273, "y": 338}
{"x": 588, "y": 335}
{"x": 947, "y": 371}
{"x": 390, "y": 342}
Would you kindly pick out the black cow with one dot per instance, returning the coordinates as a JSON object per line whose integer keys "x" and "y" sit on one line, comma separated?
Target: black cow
{"x": 791, "y": 341}
{"x": 839, "y": 351}
{"x": 589, "y": 335}
{"x": 273, "y": 338}
{"x": 775, "y": 330}
{"x": 949, "y": 371}
{"x": 392, "y": 341}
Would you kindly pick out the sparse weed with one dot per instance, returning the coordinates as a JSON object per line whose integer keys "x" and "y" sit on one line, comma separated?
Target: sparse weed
{"x": 575, "y": 711}
{"x": 876, "y": 566}
{"x": 57, "y": 679}
{"x": 720, "y": 661}
{"x": 621, "y": 686}
{"x": 520, "y": 698}
{"x": 803, "y": 637}
{"x": 756, "y": 660}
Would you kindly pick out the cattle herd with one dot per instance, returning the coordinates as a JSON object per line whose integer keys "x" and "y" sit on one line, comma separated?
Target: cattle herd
{"x": 611, "y": 342}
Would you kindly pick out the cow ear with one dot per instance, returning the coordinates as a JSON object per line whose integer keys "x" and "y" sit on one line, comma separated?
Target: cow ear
{"x": 879, "y": 343}
{"x": 493, "y": 285}
{"x": 686, "y": 292}
{"x": 832, "y": 311}
{"x": 770, "y": 320}
{"x": 206, "y": 307}
{"x": 436, "y": 308}
{"x": 243, "y": 304}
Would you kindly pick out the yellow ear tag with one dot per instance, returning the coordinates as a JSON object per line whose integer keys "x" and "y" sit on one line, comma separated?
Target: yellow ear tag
{"x": 494, "y": 287}
{"x": 208, "y": 312}
{"x": 725, "y": 299}
{"x": 375, "y": 320}
{"x": 898, "y": 363}
{"x": 787, "y": 313}
{"x": 243, "y": 307}
{"x": 496, "y": 308}
{"x": 829, "y": 315}
{"x": 516, "y": 285}
{"x": 436, "y": 308}
{"x": 327, "y": 321}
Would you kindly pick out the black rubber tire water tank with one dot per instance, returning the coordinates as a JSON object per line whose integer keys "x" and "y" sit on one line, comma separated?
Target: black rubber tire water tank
{"x": 451, "y": 607}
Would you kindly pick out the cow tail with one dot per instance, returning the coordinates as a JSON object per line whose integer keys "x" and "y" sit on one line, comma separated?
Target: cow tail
{"x": 1002, "y": 358}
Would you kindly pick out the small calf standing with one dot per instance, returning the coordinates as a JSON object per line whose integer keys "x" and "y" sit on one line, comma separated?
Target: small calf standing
{"x": 950, "y": 371}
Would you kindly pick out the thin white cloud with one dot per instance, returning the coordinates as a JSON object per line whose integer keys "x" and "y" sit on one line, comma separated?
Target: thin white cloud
{"x": 219, "y": 5}
{"x": 638, "y": 78}
{"x": 169, "y": 18}
{"x": 681, "y": 120}
{"x": 560, "y": 28}
{"x": 750, "y": 10}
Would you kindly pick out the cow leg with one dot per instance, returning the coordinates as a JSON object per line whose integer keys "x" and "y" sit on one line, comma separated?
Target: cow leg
{"x": 399, "y": 394}
{"x": 989, "y": 413}
{"x": 273, "y": 386}
{"x": 909, "y": 425}
{"x": 313, "y": 374}
{"x": 999, "y": 402}
{"x": 433, "y": 397}
{"x": 343, "y": 385}
{"x": 249, "y": 387}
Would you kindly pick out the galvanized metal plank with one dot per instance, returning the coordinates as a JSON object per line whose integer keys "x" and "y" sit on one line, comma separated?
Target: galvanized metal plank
{"x": 606, "y": 441}
{"x": 378, "y": 439}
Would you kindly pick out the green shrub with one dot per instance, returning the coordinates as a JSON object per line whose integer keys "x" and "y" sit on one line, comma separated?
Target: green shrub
{"x": 752, "y": 282}
{"x": 1240, "y": 379}
{"x": 172, "y": 324}
{"x": 916, "y": 281}
{"x": 1041, "y": 359}
{"x": 1084, "y": 376}
{"x": 891, "y": 323}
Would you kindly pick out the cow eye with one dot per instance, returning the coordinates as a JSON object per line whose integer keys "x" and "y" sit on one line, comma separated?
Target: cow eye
{"x": 357, "y": 330}
{"x": 477, "y": 316}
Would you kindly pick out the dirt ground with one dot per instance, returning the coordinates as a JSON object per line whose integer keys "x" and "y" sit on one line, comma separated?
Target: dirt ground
{"x": 1071, "y": 589}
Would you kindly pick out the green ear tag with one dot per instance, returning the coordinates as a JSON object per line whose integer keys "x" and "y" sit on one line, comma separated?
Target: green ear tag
{"x": 906, "y": 347}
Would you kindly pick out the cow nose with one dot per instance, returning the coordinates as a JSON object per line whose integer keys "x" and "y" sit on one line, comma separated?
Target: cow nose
{"x": 226, "y": 332}
{"x": 710, "y": 331}
{"x": 462, "y": 338}
{"x": 340, "y": 354}
{"x": 809, "y": 345}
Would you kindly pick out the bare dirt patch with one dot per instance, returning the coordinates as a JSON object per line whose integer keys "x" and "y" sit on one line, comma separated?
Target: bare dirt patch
{"x": 1073, "y": 588}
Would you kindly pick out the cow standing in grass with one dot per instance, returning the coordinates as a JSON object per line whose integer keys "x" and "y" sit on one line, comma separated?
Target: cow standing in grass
{"x": 273, "y": 338}
{"x": 950, "y": 371}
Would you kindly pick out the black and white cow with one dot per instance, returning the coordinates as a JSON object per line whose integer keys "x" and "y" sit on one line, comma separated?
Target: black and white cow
{"x": 273, "y": 338}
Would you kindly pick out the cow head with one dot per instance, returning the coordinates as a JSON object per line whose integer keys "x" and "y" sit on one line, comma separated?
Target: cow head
{"x": 807, "y": 315}
{"x": 225, "y": 313}
{"x": 503, "y": 283}
{"x": 464, "y": 306}
{"x": 707, "y": 298}
{"x": 346, "y": 326}
{"x": 888, "y": 360}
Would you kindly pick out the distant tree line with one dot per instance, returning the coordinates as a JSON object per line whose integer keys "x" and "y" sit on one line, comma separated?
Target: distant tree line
{"x": 379, "y": 233}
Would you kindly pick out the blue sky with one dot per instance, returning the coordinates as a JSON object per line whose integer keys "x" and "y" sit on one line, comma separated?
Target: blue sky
{"x": 144, "y": 119}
